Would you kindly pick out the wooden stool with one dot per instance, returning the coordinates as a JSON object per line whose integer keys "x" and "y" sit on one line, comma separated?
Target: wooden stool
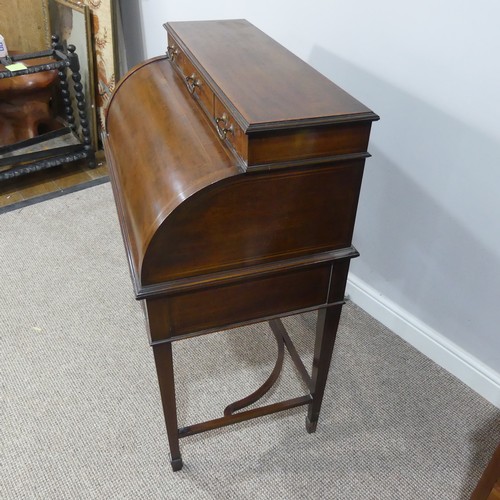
{"x": 25, "y": 104}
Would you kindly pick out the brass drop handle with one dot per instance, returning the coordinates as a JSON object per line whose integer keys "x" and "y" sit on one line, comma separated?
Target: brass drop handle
{"x": 192, "y": 82}
{"x": 172, "y": 52}
{"x": 224, "y": 129}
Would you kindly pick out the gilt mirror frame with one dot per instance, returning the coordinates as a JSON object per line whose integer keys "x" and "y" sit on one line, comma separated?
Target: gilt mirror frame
{"x": 62, "y": 16}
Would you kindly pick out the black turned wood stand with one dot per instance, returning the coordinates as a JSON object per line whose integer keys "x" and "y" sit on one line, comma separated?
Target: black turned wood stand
{"x": 73, "y": 138}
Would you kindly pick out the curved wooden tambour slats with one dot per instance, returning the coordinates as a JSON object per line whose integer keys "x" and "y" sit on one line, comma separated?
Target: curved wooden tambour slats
{"x": 161, "y": 160}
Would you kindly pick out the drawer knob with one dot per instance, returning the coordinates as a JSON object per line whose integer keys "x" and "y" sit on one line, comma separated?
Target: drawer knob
{"x": 221, "y": 124}
{"x": 172, "y": 52}
{"x": 192, "y": 82}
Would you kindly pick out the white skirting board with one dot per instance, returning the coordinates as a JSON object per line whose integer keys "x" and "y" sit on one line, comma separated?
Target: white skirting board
{"x": 472, "y": 372}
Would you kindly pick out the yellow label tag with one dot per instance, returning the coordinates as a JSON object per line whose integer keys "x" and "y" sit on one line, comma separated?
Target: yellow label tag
{"x": 16, "y": 67}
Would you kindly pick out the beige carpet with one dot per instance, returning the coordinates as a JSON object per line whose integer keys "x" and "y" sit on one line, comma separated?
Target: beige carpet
{"x": 80, "y": 409}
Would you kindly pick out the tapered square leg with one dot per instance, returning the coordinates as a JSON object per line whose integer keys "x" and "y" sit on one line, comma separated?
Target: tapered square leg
{"x": 165, "y": 371}
{"x": 326, "y": 331}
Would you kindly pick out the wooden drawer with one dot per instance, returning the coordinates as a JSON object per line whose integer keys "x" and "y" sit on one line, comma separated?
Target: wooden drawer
{"x": 261, "y": 150}
{"x": 229, "y": 131}
{"x": 218, "y": 307}
{"x": 195, "y": 83}
{"x": 265, "y": 121}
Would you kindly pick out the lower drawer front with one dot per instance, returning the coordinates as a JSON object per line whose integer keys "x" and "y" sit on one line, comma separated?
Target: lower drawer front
{"x": 226, "y": 306}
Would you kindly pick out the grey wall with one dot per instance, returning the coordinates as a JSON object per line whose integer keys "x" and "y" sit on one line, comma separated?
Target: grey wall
{"x": 131, "y": 32}
{"x": 428, "y": 223}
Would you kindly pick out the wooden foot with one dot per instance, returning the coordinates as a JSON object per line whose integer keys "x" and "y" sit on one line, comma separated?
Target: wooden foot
{"x": 311, "y": 426}
{"x": 165, "y": 371}
{"x": 176, "y": 464}
{"x": 328, "y": 320}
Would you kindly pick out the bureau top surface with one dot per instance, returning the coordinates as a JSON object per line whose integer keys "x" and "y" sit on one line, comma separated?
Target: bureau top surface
{"x": 263, "y": 81}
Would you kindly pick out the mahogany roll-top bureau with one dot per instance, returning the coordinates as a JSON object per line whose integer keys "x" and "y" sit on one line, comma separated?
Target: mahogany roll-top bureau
{"x": 236, "y": 170}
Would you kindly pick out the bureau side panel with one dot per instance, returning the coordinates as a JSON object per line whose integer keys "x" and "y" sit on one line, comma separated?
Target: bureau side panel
{"x": 257, "y": 218}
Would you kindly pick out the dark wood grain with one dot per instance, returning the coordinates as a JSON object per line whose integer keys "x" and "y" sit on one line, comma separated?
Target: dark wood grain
{"x": 237, "y": 197}
{"x": 242, "y": 416}
{"x": 251, "y": 219}
{"x": 221, "y": 307}
{"x": 304, "y": 143}
{"x": 488, "y": 487}
{"x": 326, "y": 333}
{"x": 264, "y": 82}
{"x": 25, "y": 109}
{"x": 273, "y": 106}
{"x": 195, "y": 83}
{"x": 191, "y": 159}
{"x": 165, "y": 372}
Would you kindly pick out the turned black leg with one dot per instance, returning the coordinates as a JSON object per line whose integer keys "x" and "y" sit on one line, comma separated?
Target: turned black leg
{"x": 165, "y": 371}
{"x": 81, "y": 105}
{"x": 65, "y": 93}
{"x": 63, "y": 83}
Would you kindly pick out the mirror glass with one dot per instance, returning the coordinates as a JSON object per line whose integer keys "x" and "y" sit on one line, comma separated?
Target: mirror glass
{"x": 72, "y": 24}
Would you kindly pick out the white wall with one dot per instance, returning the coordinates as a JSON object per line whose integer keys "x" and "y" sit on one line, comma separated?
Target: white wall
{"x": 428, "y": 224}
